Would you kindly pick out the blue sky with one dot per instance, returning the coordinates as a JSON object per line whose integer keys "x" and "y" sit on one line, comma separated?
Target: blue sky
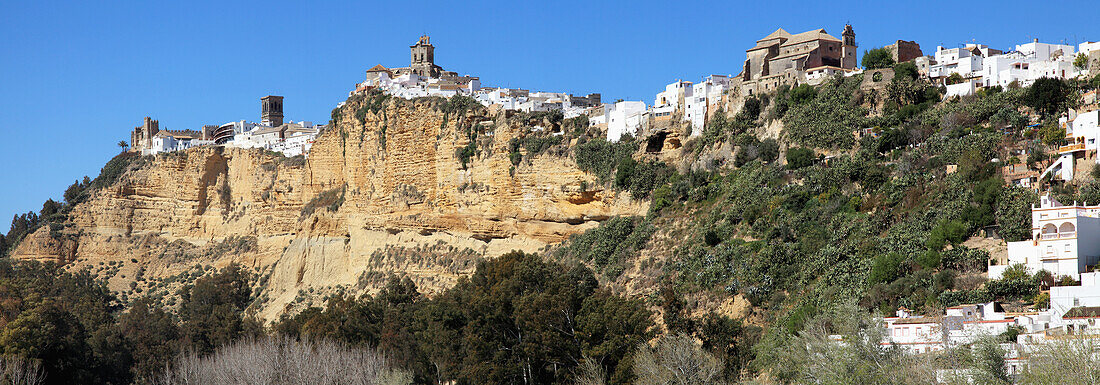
{"x": 76, "y": 77}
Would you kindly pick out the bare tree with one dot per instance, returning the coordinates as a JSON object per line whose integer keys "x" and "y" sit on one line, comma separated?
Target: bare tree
{"x": 280, "y": 361}
{"x": 676, "y": 360}
{"x": 1071, "y": 361}
{"x": 590, "y": 372}
{"x": 16, "y": 370}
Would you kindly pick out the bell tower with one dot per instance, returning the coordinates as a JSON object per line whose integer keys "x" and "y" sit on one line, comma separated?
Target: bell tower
{"x": 271, "y": 111}
{"x": 423, "y": 58}
{"x": 848, "y": 48}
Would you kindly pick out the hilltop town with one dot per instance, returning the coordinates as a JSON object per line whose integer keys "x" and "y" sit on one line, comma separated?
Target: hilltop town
{"x": 776, "y": 60}
{"x": 1066, "y": 241}
{"x": 830, "y": 214}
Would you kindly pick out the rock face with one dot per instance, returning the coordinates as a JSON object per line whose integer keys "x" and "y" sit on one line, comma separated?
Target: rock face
{"x": 383, "y": 191}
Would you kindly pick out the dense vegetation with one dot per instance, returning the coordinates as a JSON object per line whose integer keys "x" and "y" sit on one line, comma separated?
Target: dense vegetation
{"x": 861, "y": 206}
{"x": 517, "y": 319}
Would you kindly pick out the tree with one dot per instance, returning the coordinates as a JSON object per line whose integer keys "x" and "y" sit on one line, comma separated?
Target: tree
{"x": 152, "y": 336}
{"x": 905, "y": 70}
{"x": 122, "y": 144}
{"x": 728, "y": 340}
{"x": 990, "y": 361}
{"x": 1063, "y": 361}
{"x": 769, "y": 150}
{"x": 285, "y": 361}
{"x": 885, "y": 268}
{"x": 49, "y": 208}
{"x": 798, "y": 157}
{"x": 676, "y": 359}
{"x": 55, "y": 336}
{"x": 955, "y": 78}
{"x": 1047, "y": 96}
{"x": 72, "y": 194}
{"x": 802, "y": 93}
{"x": 212, "y": 310}
{"x": 947, "y": 231}
{"x": 752, "y": 107}
{"x": 1081, "y": 61}
{"x": 877, "y": 58}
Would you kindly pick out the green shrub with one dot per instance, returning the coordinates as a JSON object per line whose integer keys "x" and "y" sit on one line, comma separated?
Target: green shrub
{"x": 600, "y": 157}
{"x": 798, "y": 157}
{"x": 885, "y": 268}
{"x": 877, "y": 58}
{"x": 827, "y": 121}
{"x": 610, "y": 245}
{"x": 330, "y": 200}
{"x": 953, "y": 232}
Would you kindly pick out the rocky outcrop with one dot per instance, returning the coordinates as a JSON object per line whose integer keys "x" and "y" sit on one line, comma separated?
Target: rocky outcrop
{"x": 383, "y": 191}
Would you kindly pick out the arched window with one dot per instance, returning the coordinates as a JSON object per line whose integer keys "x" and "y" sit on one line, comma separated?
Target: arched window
{"x": 1050, "y": 231}
{"x": 1067, "y": 230}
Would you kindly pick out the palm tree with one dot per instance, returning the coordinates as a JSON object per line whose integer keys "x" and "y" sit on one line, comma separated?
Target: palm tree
{"x": 122, "y": 144}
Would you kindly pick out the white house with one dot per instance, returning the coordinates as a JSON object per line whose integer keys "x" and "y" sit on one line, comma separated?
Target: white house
{"x": 915, "y": 334}
{"x": 1088, "y": 46}
{"x": 965, "y": 61}
{"x": 1028, "y": 63}
{"x": 967, "y": 87}
{"x": 625, "y": 118}
{"x": 669, "y": 100}
{"x": 705, "y": 97}
{"x": 1064, "y": 298}
{"x": 1065, "y": 240}
{"x": 1082, "y": 137}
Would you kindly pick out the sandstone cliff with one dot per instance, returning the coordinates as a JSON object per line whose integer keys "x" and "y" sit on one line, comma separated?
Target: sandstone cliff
{"x": 383, "y": 191}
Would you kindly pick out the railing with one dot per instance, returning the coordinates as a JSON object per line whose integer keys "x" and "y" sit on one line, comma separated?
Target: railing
{"x": 1068, "y": 234}
{"x": 1072, "y": 147}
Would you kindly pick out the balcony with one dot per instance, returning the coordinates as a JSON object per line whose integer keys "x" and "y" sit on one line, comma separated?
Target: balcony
{"x": 1072, "y": 147}
{"x": 1064, "y": 234}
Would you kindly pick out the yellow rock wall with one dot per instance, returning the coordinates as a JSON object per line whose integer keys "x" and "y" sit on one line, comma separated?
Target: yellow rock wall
{"x": 405, "y": 188}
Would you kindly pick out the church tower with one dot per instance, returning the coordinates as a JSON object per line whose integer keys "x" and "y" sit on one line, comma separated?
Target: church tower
{"x": 423, "y": 58}
{"x": 271, "y": 111}
{"x": 848, "y": 48}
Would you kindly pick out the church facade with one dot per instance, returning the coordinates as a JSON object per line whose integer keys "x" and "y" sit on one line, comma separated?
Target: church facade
{"x": 785, "y": 58}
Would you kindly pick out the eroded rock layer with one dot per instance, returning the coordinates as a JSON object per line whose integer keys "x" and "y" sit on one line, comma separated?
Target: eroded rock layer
{"x": 383, "y": 191}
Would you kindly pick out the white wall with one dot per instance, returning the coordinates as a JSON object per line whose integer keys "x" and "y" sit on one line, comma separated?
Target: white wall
{"x": 625, "y": 118}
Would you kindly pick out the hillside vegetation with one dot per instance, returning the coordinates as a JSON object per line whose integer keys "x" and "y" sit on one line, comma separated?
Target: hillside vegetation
{"x": 740, "y": 271}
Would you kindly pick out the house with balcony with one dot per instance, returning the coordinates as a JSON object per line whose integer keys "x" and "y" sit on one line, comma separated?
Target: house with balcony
{"x": 1065, "y": 240}
{"x": 1082, "y": 135}
{"x": 914, "y": 333}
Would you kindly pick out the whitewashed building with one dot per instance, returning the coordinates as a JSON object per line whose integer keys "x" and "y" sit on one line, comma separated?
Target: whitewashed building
{"x": 671, "y": 99}
{"x": 625, "y": 118}
{"x": 1065, "y": 240}
{"x": 965, "y": 61}
{"x": 1082, "y": 137}
{"x": 915, "y": 334}
{"x": 1028, "y": 63}
{"x": 704, "y": 99}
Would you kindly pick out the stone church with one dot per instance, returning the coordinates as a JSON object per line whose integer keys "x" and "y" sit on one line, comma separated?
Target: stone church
{"x": 783, "y": 58}
{"x": 421, "y": 63}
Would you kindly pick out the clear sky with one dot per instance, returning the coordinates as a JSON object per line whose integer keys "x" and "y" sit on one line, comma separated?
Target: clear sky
{"x": 76, "y": 77}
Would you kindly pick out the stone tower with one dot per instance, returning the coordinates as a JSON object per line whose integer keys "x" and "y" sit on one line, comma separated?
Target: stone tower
{"x": 848, "y": 48}
{"x": 272, "y": 111}
{"x": 142, "y": 137}
{"x": 423, "y": 58}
